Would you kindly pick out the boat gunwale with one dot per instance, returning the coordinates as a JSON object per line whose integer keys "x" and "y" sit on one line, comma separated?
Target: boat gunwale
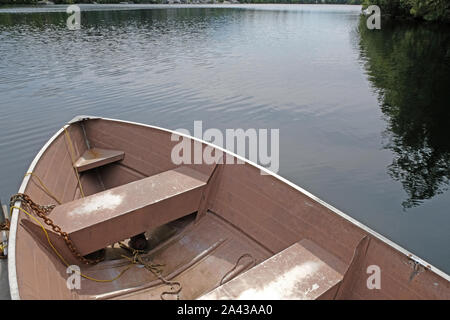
{"x": 12, "y": 274}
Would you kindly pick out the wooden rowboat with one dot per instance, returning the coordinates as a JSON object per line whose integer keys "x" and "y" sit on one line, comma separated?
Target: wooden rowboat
{"x": 212, "y": 231}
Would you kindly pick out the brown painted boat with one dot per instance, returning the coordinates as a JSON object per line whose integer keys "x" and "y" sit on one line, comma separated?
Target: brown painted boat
{"x": 214, "y": 231}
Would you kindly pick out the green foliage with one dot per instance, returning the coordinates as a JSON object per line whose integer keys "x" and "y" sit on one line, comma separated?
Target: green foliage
{"x": 304, "y": 1}
{"x": 392, "y": 7}
{"x": 430, "y": 10}
{"x": 12, "y": 2}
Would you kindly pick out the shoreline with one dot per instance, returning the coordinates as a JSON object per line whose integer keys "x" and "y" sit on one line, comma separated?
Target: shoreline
{"x": 33, "y": 5}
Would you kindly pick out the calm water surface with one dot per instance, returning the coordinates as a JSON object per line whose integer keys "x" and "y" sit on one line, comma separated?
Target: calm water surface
{"x": 363, "y": 116}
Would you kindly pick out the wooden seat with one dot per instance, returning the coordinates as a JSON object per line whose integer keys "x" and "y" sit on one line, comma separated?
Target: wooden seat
{"x": 304, "y": 271}
{"x": 96, "y": 157}
{"x": 99, "y": 220}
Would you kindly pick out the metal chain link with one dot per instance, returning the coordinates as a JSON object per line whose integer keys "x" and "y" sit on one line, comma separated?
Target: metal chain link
{"x": 41, "y": 212}
{"x": 4, "y": 226}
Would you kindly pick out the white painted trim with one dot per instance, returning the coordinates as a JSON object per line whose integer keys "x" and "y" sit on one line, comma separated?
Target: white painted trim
{"x": 12, "y": 240}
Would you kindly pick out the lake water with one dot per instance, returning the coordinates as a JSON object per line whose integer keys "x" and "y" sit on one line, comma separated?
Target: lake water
{"x": 363, "y": 115}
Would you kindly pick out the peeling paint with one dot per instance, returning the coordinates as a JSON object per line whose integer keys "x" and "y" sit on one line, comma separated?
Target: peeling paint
{"x": 285, "y": 285}
{"x": 99, "y": 202}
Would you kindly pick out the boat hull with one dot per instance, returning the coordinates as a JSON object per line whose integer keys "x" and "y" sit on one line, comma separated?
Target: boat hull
{"x": 264, "y": 213}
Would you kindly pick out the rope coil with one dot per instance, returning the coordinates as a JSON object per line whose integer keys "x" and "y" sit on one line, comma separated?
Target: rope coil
{"x": 153, "y": 268}
{"x": 245, "y": 255}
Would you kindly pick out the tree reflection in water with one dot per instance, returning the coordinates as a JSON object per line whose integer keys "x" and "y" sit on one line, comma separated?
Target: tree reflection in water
{"x": 409, "y": 67}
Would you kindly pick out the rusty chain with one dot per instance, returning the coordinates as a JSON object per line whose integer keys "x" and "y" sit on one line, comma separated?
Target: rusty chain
{"x": 41, "y": 212}
{"x": 4, "y": 226}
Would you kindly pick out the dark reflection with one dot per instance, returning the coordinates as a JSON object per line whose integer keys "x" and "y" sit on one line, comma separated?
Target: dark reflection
{"x": 409, "y": 67}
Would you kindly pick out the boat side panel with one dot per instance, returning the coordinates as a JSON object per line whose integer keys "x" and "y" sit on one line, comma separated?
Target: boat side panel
{"x": 40, "y": 274}
{"x": 400, "y": 277}
{"x": 147, "y": 151}
{"x": 277, "y": 215}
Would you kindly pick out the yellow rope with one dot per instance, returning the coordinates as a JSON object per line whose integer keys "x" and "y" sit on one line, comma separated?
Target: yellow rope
{"x": 43, "y": 186}
{"x": 72, "y": 156}
{"x": 61, "y": 257}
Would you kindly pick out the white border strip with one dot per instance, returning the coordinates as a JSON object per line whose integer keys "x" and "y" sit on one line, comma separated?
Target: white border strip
{"x": 13, "y": 284}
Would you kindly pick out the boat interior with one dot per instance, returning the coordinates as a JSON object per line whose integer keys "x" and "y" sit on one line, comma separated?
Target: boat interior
{"x": 212, "y": 231}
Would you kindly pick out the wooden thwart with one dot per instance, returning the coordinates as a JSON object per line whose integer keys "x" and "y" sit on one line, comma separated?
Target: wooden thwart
{"x": 303, "y": 271}
{"x": 96, "y": 157}
{"x": 119, "y": 213}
